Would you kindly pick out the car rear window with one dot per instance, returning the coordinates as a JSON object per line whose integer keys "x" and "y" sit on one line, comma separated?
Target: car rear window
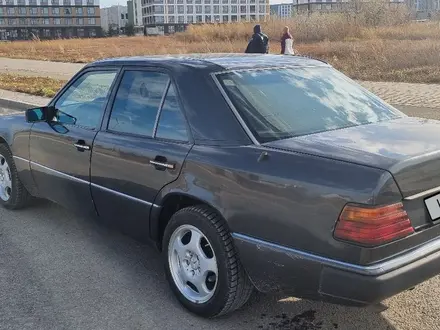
{"x": 287, "y": 102}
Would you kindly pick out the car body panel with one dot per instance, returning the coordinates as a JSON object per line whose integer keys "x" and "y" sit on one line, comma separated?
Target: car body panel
{"x": 213, "y": 62}
{"x": 125, "y": 183}
{"x": 63, "y": 179}
{"x": 405, "y": 147}
{"x": 383, "y": 145}
{"x": 297, "y": 207}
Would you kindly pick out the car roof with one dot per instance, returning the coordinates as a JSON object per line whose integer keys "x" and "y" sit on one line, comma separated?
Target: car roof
{"x": 216, "y": 62}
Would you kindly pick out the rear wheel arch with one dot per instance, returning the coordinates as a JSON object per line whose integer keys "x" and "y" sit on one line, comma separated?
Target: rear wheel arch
{"x": 6, "y": 136}
{"x": 4, "y": 142}
{"x": 171, "y": 204}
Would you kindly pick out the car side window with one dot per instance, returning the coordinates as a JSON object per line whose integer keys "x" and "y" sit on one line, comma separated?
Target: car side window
{"x": 83, "y": 102}
{"x": 172, "y": 124}
{"x": 137, "y": 102}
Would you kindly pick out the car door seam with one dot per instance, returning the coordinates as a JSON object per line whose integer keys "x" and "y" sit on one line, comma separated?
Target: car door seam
{"x": 123, "y": 195}
{"x": 92, "y": 184}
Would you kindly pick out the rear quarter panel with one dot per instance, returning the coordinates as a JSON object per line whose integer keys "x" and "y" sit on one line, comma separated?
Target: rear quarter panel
{"x": 290, "y": 199}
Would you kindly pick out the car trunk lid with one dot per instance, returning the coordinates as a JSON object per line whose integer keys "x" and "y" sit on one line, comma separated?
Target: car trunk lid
{"x": 409, "y": 148}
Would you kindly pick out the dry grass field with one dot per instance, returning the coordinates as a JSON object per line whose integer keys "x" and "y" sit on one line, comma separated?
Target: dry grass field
{"x": 378, "y": 43}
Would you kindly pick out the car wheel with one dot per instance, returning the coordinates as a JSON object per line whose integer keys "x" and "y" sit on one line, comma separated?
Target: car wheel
{"x": 13, "y": 195}
{"x": 202, "y": 264}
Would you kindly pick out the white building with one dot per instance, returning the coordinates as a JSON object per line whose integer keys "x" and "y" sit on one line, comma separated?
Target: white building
{"x": 180, "y": 12}
{"x": 282, "y": 10}
{"x": 134, "y": 8}
{"x": 114, "y": 18}
{"x": 137, "y": 7}
{"x": 302, "y": 6}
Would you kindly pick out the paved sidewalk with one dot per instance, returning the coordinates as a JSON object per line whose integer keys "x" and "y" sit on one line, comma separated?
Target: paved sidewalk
{"x": 21, "y": 97}
{"x": 418, "y": 95}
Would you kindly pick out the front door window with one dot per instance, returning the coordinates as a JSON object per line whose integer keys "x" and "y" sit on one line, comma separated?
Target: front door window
{"x": 82, "y": 104}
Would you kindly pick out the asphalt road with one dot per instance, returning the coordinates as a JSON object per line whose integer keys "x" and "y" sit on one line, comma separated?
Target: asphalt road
{"x": 61, "y": 271}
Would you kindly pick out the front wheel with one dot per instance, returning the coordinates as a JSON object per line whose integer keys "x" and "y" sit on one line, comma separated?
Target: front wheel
{"x": 13, "y": 195}
{"x": 202, "y": 265}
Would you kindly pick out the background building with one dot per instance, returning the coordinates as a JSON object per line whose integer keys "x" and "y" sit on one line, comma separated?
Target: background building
{"x": 282, "y": 10}
{"x": 169, "y": 16}
{"x": 134, "y": 9}
{"x": 47, "y": 19}
{"x": 302, "y": 6}
{"x": 425, "y": 8}
{"x": 420, "y": 8}
{"x": 114, "y": 19}
{"x": 137, "y": 12}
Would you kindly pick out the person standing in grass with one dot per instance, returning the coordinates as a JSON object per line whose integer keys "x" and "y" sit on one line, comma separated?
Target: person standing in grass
{"x": 259, "y": 42}
{"x": 287, "y": 42}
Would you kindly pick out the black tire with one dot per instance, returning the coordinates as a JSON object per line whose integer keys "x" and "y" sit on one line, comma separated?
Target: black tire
{"x": 19, "y": 196}
{"x": 233, "y": 287}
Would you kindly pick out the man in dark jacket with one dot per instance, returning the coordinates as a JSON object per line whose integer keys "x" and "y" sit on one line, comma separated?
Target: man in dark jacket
{"x": 259, "y": 42}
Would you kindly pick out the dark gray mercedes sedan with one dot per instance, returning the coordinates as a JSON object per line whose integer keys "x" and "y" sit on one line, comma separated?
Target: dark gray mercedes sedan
{"x": 268, "y": 172}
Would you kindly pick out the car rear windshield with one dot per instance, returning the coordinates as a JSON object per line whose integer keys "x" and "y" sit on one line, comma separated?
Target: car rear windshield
{"x": 287, "y": 102}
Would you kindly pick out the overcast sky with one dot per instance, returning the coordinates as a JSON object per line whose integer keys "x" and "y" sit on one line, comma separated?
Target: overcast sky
{"x": 108, "y": 3}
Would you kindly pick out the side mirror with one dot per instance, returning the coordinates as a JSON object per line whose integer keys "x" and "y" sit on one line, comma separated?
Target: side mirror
{"x": 40, "y": 114}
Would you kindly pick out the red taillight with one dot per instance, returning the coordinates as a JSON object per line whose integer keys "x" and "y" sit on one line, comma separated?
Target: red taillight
{"x": 373, "y": 226}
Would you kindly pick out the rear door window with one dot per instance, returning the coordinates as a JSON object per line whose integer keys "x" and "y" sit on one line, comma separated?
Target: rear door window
{"x": 147, "y": 104}
{"x": 137, "y": 102}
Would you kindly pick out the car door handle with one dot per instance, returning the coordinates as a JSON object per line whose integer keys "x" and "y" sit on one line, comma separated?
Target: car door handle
{"x": 81, "y": 145}
{"x": 162, "y": 164}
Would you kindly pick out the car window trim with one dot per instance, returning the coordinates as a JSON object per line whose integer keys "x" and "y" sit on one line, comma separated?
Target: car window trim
{"x": 159, "y": 116}
{"x": 171, "y": 80}
{"x": 233, "y": 108}
{"x": 190, "y": 138}
{"x": 75, "y": 78}
{"x": 159, "y": 110}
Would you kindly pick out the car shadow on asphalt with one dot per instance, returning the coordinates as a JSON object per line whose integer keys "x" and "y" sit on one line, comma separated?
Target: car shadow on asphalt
{"x": 120, "y": 284}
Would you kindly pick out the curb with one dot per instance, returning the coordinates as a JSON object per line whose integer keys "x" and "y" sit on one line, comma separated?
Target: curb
{"x": 16, "y": 105}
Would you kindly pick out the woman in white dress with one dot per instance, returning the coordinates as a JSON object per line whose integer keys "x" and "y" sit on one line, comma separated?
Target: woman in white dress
{"x": 287, "y": 42}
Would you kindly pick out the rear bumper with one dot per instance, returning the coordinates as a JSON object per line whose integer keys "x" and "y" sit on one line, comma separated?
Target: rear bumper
{"x": 274, "y": 268}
